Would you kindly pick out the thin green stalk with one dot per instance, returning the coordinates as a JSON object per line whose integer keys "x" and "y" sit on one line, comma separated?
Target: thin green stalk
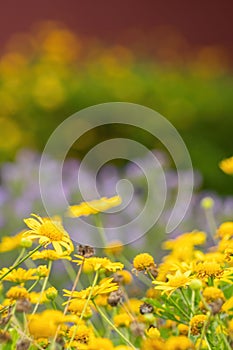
{"x": 178, "y": 308}
{"x": 43, "y": 287}
{"x": 85, "y": 306}
{"x": 113, "y": 326}
{"x": 33, "y": 285}
{"x": 211, "y": 223}
{"x": 186, "y": 300}
{"x": 100, "y": 229}
{"x": 204, "y": 329}
{"x": 21, "y": 261}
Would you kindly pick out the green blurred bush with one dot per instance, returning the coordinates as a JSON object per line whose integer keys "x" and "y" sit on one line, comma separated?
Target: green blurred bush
{"x": 50, "y": 73}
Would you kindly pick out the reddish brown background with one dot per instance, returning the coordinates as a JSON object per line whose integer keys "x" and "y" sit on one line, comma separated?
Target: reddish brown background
{"x": 201, "y": 22}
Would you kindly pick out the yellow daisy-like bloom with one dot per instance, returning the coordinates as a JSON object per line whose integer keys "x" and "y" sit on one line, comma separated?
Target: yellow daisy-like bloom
{"x": 203, "y": 345}
{"x": 179, "y": 280}
{"x": 183, "y": 329}
{"x": 95, "y": 263}
{"x": 101, "y": 344}
{"x": 49, "y": 254}
{"x": 196, "y": 323}
{"x": 44, "y": 325}
{"x": 228, "y": 306}
{"x": 76, "y": 307}
{"x": 143, "y": 261}
{"x": 17, "y": 292}
{"x": 122, "y": 320}
{"x": 225, "y": 230}
{"x": 153, "y": 332}
{"x": 179, "y": 343}
{"x": 208, "y": 269}
{"x": 115, "y": 248}
{"x": 105, "y": 286}
{"x": 19, "y": 275}
{"x": 49, "y": 231}
{"x": 81, "y": 334}
{"x": 212, "y": 293}
{"x": 11, "y": 243}
{"x": 36, "y": 297}
{"x": 124, "y": 277}
{"x": 226, "y": 165}
{"x": 153, "y": 344}
{"x": 94, "y": 207}
{"x": 123, "y": 347}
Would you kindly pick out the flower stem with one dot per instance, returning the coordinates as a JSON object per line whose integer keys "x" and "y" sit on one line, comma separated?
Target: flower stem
{"x": 100, "y": 229}
{"x": 43, "y": 287}
{"x": 85, "y": 306}
{"x": 113, "y": 326}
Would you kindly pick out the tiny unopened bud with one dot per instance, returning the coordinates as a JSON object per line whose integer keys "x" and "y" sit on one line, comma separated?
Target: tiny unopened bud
{"x": 26, "y": 242}
{"x": 51, "y": 293}
{"x": 146, "y": 309}
{"x": 195, "y": 284}
{"x": 42, "y": 271}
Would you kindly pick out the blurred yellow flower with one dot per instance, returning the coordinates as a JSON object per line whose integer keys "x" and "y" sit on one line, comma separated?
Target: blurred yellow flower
{"x": 94, "y": 207}
{"x": 226, "y": 166}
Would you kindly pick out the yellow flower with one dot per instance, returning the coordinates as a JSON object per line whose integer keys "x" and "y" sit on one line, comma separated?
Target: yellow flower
{"x": 153, "y": 332}
{"x": 183, "y": 329}
{"x": 196, "y": 323}
{"x": 101, "y": 344}
{"x": 179, "y": 343}
{"x": 143, "y": 261}
{"x": 228, "y": 306}
{"x": 94, "y": 207}
{"x": 105, "y": 286}
{"x": 19, "y": 275}
{"x": 123, "y": 347}
{"x": 152, "y": 344}
{"x": 76, "y": 307}
{"x": 81, "y": 334}
{"x": 95, "y": 263}
{"x": 11, "y": 243}
{"x": 48, "y": 254}
{"x": 122, "y": 320}
{"x": 123, "y": 277}
{"x": 179, "y": 280}
{"x": 225, "y": 230}
{"x": 226, "y": 165}
{"x": 208, "y": 269}
{"x": 49, "y": 231}
{"x": 115, "y": 248}
{"x": 44, "y": 325}
{"x": 17, "y": 292}
{"x": 212, "y": 293}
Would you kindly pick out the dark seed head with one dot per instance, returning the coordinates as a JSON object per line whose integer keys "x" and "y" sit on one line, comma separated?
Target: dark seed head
{"x": 85, "y": 250}
{"x": 146, "y": 309}
{"x": 115, "y": 297}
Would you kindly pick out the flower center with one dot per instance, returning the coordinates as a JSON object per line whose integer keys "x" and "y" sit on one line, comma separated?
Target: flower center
{"x": 51, "y": 230}
{"x": 178, "y": 281}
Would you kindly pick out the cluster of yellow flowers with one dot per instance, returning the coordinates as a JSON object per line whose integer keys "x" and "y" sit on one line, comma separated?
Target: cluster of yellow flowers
{"x": 183, "y": 303}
